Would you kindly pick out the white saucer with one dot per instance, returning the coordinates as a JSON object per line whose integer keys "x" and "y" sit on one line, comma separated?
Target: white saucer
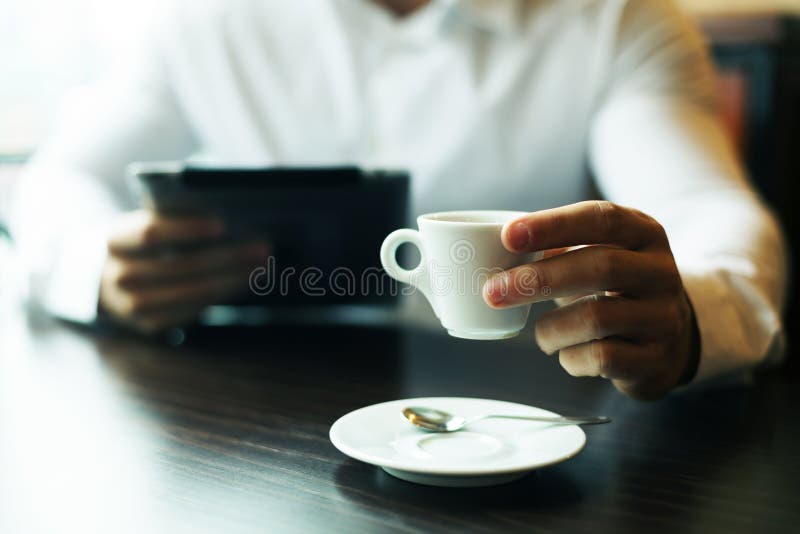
{"x": 486, "y": 453}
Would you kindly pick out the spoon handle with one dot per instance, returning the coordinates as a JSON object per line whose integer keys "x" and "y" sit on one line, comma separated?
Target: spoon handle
{"x": 590, "y": 420}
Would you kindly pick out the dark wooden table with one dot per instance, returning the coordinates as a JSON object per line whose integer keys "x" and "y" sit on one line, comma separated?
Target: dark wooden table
{"x": 229, "y": 433}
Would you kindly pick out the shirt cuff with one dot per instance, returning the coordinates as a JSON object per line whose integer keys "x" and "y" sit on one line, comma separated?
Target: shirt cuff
{"x": 739, "y": 327}
{"x": 73, "y": 285}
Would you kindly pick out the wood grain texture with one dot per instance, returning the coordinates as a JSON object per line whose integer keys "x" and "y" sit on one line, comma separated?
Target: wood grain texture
{"x": 230, "y": 434}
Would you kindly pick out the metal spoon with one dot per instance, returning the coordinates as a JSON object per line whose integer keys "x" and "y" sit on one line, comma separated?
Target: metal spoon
{"x": 440, "y": 421}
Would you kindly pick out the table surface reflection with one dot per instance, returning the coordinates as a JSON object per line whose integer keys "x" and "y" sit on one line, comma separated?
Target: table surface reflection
{"x": 229, "y": 432}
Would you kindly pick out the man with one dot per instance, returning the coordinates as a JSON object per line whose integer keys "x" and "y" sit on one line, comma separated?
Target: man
{"x": 491, "y": 104}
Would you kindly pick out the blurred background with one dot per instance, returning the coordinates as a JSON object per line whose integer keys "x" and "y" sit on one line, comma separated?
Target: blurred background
{"x": 50, "y": 48}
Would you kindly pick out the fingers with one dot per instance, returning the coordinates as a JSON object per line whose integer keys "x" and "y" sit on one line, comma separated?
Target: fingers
{"x": 580, "y": 271}
{"x": 624, "y": 314}
{"x": 146, "y": 229}
{"x": 642, "y": 345}
{"x": 179, "y": 296}
{"x": 598, "y": 317}
{"x": 609, "y": 358}
{"x": 149, "y": 284}
{"x": 643, "y": 372}
{"x": 132, "y": 272}
{"x": 585, "y": 223}
{"x": 156, "y": 292}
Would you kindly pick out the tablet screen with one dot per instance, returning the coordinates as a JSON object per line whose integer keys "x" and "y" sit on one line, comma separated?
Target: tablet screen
{"x": 325, "y": 226}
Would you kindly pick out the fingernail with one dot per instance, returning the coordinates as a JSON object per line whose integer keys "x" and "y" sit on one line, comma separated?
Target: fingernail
{"x": 518, "y": 236}
{"x": 495, "y": 290}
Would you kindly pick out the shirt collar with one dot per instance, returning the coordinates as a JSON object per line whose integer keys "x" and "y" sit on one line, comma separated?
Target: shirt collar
{"x": 419, "y": 29}
{"x": 499, "y": 16}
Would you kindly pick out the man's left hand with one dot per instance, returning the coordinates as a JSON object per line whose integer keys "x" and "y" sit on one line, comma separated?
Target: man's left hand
{"x": 623, "y": 315}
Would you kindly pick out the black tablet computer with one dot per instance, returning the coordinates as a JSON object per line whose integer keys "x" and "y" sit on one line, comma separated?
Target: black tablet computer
{"x": 324, "y": 226}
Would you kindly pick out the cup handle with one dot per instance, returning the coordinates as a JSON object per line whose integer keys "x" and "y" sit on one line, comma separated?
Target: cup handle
{"x": 416, "y": 277}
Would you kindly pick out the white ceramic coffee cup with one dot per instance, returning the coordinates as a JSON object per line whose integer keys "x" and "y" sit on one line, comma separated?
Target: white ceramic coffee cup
{"x": 459, "y": 251}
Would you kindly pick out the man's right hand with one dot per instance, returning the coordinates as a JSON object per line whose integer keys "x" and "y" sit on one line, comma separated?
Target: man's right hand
{"x": 162, "y": 271}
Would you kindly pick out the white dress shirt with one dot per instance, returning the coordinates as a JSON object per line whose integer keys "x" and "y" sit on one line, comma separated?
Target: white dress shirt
{"x": 492, "y": 104}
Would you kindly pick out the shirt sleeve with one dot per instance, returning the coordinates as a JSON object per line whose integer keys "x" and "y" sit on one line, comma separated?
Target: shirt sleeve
{"x": 74, "y": 187}
{"x": 656, "y": 144}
